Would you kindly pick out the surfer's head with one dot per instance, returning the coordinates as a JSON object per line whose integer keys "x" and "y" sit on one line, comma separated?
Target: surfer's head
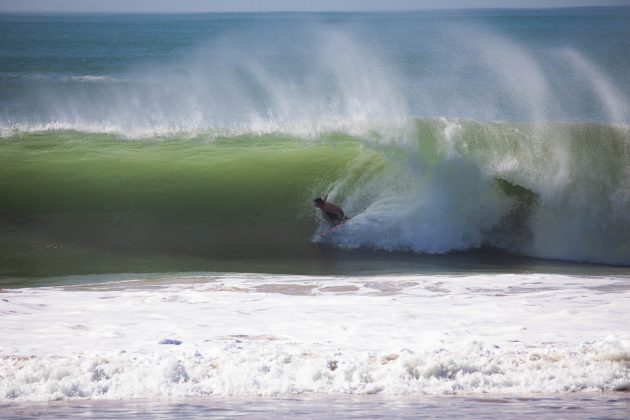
{"x": 318, "y": 202}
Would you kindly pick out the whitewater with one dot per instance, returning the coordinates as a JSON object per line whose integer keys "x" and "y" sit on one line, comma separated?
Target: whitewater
{"x": 249, "y": 334}
{"x": 158, "y": 242}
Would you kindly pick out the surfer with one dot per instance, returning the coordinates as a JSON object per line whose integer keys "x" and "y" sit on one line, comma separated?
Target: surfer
{"x": 331, "y": 212}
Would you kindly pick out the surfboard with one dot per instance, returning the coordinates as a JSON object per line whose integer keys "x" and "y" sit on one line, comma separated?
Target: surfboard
{"x": 334, "y": 228}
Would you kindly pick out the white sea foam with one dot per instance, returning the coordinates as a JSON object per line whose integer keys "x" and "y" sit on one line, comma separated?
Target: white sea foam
{"x": 441, "y": 194}
{"x": 94, "y": 78}
{"x": 266, "y": 334}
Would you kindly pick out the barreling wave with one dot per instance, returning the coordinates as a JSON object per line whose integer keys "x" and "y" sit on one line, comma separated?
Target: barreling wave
{"x": 558, "y": 191}
{"x": 220, "y": 152}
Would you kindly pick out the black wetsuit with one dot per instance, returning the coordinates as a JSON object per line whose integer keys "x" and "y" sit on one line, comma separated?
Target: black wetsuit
{"x": 334, "y": 217}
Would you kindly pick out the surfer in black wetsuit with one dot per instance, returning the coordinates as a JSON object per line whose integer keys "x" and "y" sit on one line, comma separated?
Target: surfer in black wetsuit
{"x": 331, "y": 212}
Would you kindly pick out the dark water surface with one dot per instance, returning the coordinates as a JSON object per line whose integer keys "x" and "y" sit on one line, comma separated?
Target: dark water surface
{"x": 590, "y": 406}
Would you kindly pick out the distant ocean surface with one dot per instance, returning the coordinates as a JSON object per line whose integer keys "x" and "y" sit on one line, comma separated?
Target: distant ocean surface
{"x": 157, "y": 175}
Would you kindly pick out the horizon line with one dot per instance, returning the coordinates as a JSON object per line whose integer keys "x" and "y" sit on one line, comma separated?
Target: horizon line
{"x": 199, "y": 12}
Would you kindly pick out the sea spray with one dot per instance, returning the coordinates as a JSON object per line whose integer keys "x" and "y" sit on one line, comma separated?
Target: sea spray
{"x": 552, "y": 191}
{"x": 326, "y": 76}
{"x": 226, "y": 87}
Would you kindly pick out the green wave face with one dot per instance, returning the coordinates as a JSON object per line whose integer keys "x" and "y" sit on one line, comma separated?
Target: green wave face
{"x": 245, "y": 178}
{"x": 79, "y": 202}
{"x": 67, "y": 194}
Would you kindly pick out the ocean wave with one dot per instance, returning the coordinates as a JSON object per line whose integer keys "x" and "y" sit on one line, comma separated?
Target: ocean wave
{"x": 95, "y": 78}
{"x": 555, "y": 190}
{"x": 548, "y": 190}
{"x": 64, "y": 77}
